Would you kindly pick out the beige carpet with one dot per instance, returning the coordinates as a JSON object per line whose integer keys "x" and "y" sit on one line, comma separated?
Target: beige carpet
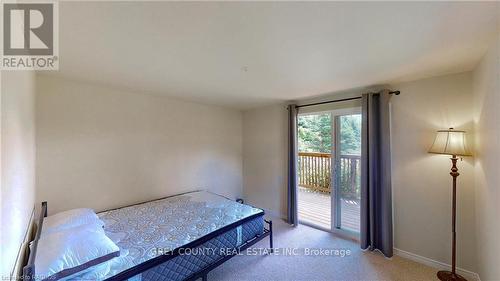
{"x": 357, "y": 266}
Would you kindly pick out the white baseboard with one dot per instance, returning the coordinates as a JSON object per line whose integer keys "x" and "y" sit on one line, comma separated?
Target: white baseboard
{"x": 436, "y": 264}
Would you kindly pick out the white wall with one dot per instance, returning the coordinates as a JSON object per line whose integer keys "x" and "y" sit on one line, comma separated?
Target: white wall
{"x": 487, "y": 117}
{"x": 17, "y": 189}
{"x": 101, "y": 148}
{"x": 421, "y": 183}
{"x": 264, "y": 158}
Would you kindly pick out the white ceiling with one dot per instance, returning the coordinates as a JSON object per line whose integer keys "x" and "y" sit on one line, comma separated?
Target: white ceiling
{"x": 247, "y": 54}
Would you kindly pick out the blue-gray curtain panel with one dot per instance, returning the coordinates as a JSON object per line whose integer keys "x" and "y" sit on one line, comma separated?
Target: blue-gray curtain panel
{"x": 292, "y": 165}
{"x": 376, "y": 191}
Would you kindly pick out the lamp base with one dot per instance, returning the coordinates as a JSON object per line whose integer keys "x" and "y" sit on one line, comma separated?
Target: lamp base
{"x": 449, "y": 276}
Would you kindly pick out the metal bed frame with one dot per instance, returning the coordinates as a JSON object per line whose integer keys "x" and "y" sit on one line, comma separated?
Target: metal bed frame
{"x": 29, "y": 268}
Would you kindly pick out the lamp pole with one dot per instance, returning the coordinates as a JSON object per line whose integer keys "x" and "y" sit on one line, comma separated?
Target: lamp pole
{"x": 446, "y": 275}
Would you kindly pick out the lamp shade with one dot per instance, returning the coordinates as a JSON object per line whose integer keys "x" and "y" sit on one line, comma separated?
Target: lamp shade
{"x": 450, "y": 142}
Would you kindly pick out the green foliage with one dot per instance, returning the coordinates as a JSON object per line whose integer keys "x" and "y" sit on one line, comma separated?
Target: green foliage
{"x": 350, "y": 134}
{"x": 315, "y": 133}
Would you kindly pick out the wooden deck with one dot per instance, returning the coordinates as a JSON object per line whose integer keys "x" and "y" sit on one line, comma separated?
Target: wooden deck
{"x": 314, "y": 208}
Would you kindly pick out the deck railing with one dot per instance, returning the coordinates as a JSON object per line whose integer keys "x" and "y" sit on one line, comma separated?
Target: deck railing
{"x": 315, "y": 173}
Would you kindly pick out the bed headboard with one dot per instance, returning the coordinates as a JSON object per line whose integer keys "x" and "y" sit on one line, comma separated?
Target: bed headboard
{"x": 29, "y": 268}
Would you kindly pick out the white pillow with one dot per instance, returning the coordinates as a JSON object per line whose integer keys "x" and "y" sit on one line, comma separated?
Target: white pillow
{"x": 72, "y": 250}
{"x": 68, "y": 219}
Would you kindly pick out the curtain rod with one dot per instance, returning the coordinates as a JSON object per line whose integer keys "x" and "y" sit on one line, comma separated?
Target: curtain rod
{"x": 347, "y": 99}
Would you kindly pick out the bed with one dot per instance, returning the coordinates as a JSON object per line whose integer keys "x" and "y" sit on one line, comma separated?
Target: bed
{"x": 181, "y": 237}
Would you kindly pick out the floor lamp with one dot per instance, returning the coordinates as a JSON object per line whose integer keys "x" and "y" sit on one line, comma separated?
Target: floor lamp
{"x": 451, "y": 142}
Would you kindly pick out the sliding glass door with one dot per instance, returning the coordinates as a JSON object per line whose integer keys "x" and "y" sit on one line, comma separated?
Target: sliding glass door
{"x": 329, "y": 169}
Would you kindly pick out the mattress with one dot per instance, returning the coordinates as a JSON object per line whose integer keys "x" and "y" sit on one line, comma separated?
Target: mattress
{"x": 147, "y": 232}
{"x": 196, "y": 259}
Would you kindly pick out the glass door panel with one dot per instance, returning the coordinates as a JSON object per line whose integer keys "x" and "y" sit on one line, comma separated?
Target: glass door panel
{"x": 314, "y": 169}
{"x": 348, "y": 172}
